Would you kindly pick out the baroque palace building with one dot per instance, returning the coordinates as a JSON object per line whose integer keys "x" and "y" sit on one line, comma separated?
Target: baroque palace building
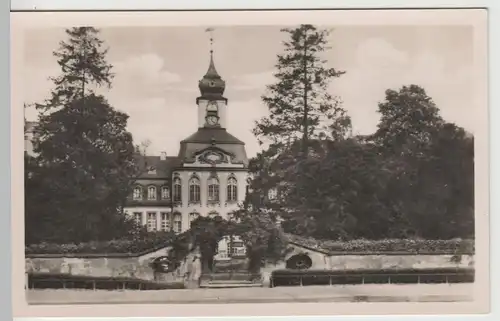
{"x": 208, "y": 177}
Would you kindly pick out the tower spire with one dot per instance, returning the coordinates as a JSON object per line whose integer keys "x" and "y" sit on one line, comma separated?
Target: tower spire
{"x": 212, "y": 72}
{"x": 211, "y": 85}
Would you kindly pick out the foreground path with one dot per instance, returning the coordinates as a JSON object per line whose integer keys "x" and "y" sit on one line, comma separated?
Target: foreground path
{"x": 343, "y": 293}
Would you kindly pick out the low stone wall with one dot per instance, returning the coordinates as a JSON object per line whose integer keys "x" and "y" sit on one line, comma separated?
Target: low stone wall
{"x": 107, "y": 266}
{"x": 322, "y": 260}
{"x": 355, "y": 262}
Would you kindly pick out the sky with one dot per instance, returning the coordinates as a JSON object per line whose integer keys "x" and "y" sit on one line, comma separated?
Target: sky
{"x": 157, "y": 71}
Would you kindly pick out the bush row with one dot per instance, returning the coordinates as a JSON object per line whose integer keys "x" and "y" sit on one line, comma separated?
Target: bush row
{"x": 454, "y": 246}
{"x": 150, "y": 241}
{"x": 132, "y": 245}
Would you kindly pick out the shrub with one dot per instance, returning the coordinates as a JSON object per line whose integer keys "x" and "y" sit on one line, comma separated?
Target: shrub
{"x": 124, "y": 246}
{"x": 454, "y": 246}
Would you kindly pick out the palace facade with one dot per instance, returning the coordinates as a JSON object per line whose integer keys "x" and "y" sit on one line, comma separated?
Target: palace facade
{"x": 208, "y": 177}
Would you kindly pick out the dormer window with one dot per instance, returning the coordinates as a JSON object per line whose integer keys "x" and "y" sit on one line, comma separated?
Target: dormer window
{"x": 152, "y": 193}
{"x": 137, "y": 195}
{"x": 152, "y": 170}
{"x": 165, "y": 193}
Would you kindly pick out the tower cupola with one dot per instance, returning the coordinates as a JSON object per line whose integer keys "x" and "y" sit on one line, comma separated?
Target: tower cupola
{"x": 212, "y": 85}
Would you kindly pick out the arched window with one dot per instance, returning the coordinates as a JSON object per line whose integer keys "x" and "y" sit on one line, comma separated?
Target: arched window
{"x": 151, "y": 192}
{"x": 165, "y": 193}
{"x": 137, "y": 193}
{"x": 193, "y": 216}
{"x": 194, "y": 190}
{"x": 177, "y": 222}
{"x": 177, "y": 189}
{"x": 213, "y": 189}
{"x": 232, "y": 189}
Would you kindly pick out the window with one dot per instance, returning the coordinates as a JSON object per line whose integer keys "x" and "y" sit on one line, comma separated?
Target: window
{"x": 177, "y": 223}
{"x": 152, "y": 170}
{"x": 193, "y": 216}
{"x": 272, "y": 194}
{"x": 232, "y": 189}
{"x": 165, "y": 193}
{"x": 165, "y": 221}
{"x": 213, "y": 189}
{"x": 138, "y": 218}
{"x": 177, "y": 190}
{"x": 151, "y": 193}
{"x": 194, "y": 190}
{"x": 137, "y": 193}
{"x": 151, "y": 221}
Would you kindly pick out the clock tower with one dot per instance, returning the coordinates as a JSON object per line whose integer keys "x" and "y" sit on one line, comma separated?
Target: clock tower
{"x": 212, "y": 105}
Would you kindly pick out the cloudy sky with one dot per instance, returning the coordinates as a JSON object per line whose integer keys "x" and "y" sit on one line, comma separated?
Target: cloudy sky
{"x": 157, "y": 72}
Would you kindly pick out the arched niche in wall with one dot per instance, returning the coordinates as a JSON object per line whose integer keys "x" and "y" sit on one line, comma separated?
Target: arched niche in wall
{"x": 300, "y": 261}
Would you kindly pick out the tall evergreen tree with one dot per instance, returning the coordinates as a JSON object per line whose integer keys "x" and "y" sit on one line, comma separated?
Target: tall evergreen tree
{"x": 85, "y": 155}
{"x": 299, "y": 102}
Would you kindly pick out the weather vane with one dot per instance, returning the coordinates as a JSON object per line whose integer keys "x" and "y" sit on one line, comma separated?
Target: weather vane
{"x": 211, "y": 31}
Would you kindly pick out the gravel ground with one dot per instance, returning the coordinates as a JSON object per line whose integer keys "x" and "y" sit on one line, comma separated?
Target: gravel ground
{"x": 343, "y": 293}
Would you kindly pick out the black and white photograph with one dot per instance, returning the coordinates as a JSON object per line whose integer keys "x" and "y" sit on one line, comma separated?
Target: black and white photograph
{"x": 260, "y": 161}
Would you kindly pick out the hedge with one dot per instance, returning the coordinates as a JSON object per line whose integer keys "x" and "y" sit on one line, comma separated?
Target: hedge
{"x": 155, "y": 240}
{"x": 454, "y": 246}
{"x": 124, "y": 246}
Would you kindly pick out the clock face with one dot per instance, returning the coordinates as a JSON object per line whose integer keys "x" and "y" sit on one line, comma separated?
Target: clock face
{"x": 212, "y": 120}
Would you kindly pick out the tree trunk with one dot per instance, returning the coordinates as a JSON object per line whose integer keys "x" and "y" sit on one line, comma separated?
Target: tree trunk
{"x": 305, "y": 125}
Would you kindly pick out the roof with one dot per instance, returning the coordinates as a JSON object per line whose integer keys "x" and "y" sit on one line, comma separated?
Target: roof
{"x": 213, "y": 137}
{"x": 208, "y": 135}
{"x": 164, "y": 167}
{"x": 212, "y": 72}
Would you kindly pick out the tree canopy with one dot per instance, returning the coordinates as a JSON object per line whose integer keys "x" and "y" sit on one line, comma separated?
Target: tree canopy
{"x": 84, "y": 161}
{"x": 414, "y": 177}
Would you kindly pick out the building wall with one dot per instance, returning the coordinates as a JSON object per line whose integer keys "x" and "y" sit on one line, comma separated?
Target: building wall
{"x": 223, "y": 208}
{"x": 156, "y": 210}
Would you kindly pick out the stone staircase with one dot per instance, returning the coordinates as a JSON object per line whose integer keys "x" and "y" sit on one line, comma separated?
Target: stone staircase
{"x": 230, "y": 274}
